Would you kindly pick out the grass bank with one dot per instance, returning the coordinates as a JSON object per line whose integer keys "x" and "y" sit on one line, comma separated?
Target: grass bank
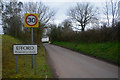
{"x": 24, "y": 61}
{"x": 107, "y": 51}
{"x": 0, "y": 56}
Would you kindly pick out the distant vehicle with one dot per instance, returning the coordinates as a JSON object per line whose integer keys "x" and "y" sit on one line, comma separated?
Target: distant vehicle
{"x": 45, "y": 39}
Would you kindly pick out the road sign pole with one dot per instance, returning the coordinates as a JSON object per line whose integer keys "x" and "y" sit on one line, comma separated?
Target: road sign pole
{"x": 31, "y": 20}
{"x": 16, "y": 64}
{"x": 32, "y": 43}
{"x": 32, "y": 35}
{"x": 35, "y": 66}
{"x": 32, "y": 61}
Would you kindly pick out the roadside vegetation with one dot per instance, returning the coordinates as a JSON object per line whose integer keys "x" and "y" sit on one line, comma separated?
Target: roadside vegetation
{"x": 13, "y": 25}
{"x": 0, "y": 56}
{"x": 24, "y": 61}
{"x": 107, "y": 51}
{"x": 102, "y": 43}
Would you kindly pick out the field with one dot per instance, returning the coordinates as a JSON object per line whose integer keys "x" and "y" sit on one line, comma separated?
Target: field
{"x": 24, "y": 61}
{"x": 106, "y": 51}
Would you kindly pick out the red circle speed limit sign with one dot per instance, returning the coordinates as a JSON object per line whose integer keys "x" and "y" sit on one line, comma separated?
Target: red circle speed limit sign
{"x": 31, "y": 20}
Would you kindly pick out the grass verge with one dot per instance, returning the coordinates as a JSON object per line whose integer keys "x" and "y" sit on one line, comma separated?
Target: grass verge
{"x": 24, "y": 61}
{"x": 107, "y": 51}
{"x": 0, "y": 57}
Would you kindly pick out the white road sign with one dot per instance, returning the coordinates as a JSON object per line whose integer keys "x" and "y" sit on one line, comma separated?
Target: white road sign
{"x": 24, "y": 49}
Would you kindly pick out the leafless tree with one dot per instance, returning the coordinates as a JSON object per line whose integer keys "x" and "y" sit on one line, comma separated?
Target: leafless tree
{"x": 45, "y": 15}
{"x": 67, "y": 25}
{"x": 114, "y": 11}
{"x": 111, "y": 9}
{"x": 83, "y": 14}
{"x": 106, "y": 12}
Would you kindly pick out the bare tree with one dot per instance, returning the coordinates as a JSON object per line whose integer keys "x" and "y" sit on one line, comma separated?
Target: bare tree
{"x": 114, "y": 11}
{"x": 67, "y": 25}
{"x": 111, "y": 9}
{"x": 83, "y": 14}
{"x": 45, "y": 15}
{"x": 106, "y": 12}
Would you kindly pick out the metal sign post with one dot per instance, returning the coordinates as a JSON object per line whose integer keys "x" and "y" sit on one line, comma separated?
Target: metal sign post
{"x": 35, "y": 66}
{"x": 16, "y": 64}
{"x": 31, "y": 20}
{"x": 32, "y": 55}
{"x": 32, "y": 43}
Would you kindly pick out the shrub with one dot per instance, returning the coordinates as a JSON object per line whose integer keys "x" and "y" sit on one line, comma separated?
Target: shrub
{"x": 103, "y": 34}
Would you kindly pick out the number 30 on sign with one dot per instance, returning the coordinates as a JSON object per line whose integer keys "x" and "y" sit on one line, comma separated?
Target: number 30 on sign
{"x": 31, "y": 20}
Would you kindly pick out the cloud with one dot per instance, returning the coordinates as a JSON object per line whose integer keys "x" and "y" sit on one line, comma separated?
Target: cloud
{"x": 72, "y": 0}
{"x": 62, "y": 0}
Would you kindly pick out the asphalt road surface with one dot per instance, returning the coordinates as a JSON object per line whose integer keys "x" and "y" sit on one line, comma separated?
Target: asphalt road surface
{"x": 70, "y": 64}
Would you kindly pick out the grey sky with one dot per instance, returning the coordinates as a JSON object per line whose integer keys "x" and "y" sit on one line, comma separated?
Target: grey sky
{"x": 61, "y": 7}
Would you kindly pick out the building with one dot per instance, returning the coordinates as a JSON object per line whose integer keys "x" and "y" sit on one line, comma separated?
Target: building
{"x": 45, "y": 37}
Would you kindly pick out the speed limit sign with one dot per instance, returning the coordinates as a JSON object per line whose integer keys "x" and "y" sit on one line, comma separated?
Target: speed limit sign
{"x": 31, "y": 20}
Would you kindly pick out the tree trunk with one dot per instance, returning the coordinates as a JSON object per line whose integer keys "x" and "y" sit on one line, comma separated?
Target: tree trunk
{"x": 83, "y": 28}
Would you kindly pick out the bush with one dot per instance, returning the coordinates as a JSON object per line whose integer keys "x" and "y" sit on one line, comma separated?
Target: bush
{"x": 103, "y": 34}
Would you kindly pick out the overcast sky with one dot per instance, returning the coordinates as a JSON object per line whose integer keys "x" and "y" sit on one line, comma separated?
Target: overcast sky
{"x": 61, "y": 7}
